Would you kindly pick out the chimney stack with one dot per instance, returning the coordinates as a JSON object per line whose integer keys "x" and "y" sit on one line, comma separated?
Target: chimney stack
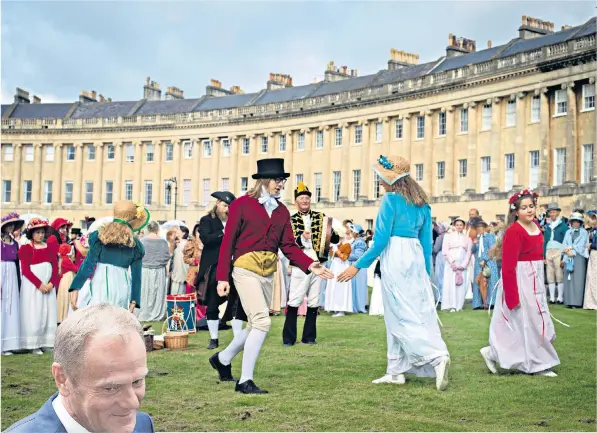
{"x": 278, "y": 81}
{"x": 101, "y": 99}
{"x": 151, "y": 90}
{"x": 533, "y": 28}
{"x": 336, "y": 74}
{"x": 22, "y": 96}
{"x": 86, "y": 97}
{"x": 237, "y": 90}
{"x": 36, "y": 99}
{"x": 174, "y": 93}
{"x": 566, "y": 27}
{"x": 401, "y": 59}
{"x": 215, "y": 89}
{"x": 459, "y": 46}
{"x": 489, "y": 44}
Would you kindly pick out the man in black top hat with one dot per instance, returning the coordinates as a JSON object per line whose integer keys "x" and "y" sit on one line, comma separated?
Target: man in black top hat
{"x": 211, "y": 232}
{"x": 308, "y": 230}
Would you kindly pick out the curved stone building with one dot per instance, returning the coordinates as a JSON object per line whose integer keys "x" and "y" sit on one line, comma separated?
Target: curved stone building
{"x": 475, "y": 124}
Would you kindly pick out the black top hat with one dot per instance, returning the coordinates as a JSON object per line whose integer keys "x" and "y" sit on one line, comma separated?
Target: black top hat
{"x": 301, "y": 189}
{"x": 271, "y": 168}
{"x": 225, "y": 196}
{"x": 75, "y": 231}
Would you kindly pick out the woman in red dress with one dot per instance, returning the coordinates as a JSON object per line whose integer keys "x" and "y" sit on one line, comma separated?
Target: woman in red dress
{"x": 39, "y": 266}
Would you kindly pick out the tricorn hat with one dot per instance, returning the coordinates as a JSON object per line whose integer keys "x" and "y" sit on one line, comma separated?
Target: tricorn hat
{"x": 301, "y": 189}
{"x": 225, "y": 196}
{"x": 271, "y": 168}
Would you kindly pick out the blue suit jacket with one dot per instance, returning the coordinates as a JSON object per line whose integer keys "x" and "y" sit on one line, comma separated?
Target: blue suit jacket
{"x": 45, "y": 420}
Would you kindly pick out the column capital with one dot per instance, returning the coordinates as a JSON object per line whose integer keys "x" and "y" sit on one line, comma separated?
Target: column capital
{"x": 451, "y": 108}
{"x": 78, "y": 145}
{"x": 540, "y": 91}
{"x": 100, "y": 145}
{"x": 592, "y": 80}
{"x": 252, "y": 136}
{"x": 37, "y": 145}
{"x": 406, "y": 116}
{"x": 383, "y": 119}
{"x": 18, "y": 145}
{"x": 326, "y": 127}
{"x": 521, "y": 95}
{"x": 58, "y": 145}
{"x": 360, "y": 122}
{"x": 343, "y": 125}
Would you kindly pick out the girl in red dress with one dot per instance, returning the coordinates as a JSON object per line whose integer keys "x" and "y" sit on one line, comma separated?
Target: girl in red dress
{"x": 39, "y": 266}
{"x": 521, "y": 333}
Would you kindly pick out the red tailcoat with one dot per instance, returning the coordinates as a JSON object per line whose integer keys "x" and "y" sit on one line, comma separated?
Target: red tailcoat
{"x": 250, "y": 228}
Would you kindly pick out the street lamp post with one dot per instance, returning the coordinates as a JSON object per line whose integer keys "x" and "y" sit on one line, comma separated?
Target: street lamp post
{"x": 171, "y": 181}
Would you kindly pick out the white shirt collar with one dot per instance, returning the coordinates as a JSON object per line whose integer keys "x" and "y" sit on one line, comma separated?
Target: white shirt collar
{"x": 69, "y": 423}
{"x": 268, "y": 201}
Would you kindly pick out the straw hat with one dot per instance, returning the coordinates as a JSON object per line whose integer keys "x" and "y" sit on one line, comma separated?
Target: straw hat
{"x": 391, "y": 168}
{"x": 131, "y": 214}
{"x": 12, "y": 218}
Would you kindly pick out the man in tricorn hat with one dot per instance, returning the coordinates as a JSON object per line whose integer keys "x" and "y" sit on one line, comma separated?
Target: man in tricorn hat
{"x": 211, "y": 233}
{"x": 258, "y": 227}
{"x": 307, "y": 227}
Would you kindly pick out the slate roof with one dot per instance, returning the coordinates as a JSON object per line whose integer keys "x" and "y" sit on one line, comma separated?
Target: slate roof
{"x": 120, "y": 108}
{"x": 124, "y": 108}
{"x": 39, "y": 111}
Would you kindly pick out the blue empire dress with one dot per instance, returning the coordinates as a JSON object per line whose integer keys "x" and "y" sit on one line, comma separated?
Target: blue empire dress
{"x": 481, "y": 251}
{"x": 403, "y": 241}
{"x": 360, "y": 289}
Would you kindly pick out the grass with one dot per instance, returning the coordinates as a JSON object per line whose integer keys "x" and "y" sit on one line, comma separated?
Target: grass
{"x": 328, "y": 387}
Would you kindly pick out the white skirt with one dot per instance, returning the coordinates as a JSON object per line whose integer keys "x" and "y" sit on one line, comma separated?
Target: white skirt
{"x": 522, "y": 339}
{"x": 38, "y": 310}
{"x": 453, "y": 296}
{"x": 376, "y": 304}
{"x": 110, "y": 284}
{"x": 154, "y": 286}
{"x": 415, "y": 343}
{"x": 338, "y": 296}
{"x": 10, "y": 307}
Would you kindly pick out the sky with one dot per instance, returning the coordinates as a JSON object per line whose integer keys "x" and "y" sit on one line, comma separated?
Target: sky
{"x": 56, "y": 49}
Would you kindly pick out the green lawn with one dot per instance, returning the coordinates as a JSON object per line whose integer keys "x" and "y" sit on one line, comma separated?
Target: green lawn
{"x": 328, "y": 387}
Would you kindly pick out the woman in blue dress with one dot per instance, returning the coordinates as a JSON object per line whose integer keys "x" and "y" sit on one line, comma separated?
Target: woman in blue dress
{"x": 403, "y": 241}
{"x": 360, "y": 289}
{"x": 483, "y": 244}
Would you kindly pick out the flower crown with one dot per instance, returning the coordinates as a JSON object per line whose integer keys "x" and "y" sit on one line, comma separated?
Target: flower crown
{"x": 385, "y": 163}
{"x": 522, "y": 193}
{"x": 10, "y": 216}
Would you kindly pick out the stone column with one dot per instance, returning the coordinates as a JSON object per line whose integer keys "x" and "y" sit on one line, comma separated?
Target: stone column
{"x": 159, "y": 160}
{"x": 428, "y": 149}
{"x": 345, "y": 172}
{"x": 177, "y": 160}
{"x": 254, "y": 151}
{"x": 234, "y": 155}
{"x": 521, "y": 164}
{"x": 16, "y": 176}
{"x": 325, "y": 173}
{"x": 472, "y": 158}
{"x": 57, "y": 180}
{"x": 572, "y": 154}
{"x": 118, "y": 181}
{"x": 289, "y": 164}
{"x": 385, "y": 135}
{"x": 451, "y": 163}
{"x": 37, "y": 188}
{"x": 406, "y": 150}
{"x": 366, "y": 174}
{"x": 215, "y": 166}
{"x": 496, "y": 173}
{"x": 99, "y": 179}
{"x": 545, "y": 149}
{"x": 195, "y": 178}
{"x": 138, "y": 188}
{"x": 78, "y": 187}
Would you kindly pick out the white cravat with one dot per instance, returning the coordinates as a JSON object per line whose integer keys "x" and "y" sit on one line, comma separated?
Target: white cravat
{"x": 69, "y": 423}
{"x": 268, "y": 201}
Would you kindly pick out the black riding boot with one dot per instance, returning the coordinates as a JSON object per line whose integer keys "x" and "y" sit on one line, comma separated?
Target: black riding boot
{"x": 310, "y": 329}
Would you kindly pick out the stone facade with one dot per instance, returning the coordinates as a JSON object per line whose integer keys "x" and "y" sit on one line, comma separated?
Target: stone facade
{"x": 473, "y": 134}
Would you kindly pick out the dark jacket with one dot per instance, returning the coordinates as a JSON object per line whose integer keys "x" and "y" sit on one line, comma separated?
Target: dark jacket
{"x": 558, "y": 236}
{"x": 46, "y": 420}
{"x": 211, "y": 233}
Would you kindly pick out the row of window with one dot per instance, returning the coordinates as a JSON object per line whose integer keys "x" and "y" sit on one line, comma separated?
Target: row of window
{"x": 561, "y": 108}
{"x": 509, "y": 161}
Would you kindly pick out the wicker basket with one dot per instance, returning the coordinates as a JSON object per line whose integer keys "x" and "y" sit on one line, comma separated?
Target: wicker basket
{"x": 176, "y": 340}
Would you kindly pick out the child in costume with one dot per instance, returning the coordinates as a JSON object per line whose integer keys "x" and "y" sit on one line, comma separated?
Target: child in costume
{"x": 11, "y": 283}
{"x": 113, "y": 250}
{"x": 68, "y": 269}
{"x": 521, "y": 333}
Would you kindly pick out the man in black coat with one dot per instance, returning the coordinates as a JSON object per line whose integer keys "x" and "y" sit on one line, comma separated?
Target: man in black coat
{"x": 211, "y": 232}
